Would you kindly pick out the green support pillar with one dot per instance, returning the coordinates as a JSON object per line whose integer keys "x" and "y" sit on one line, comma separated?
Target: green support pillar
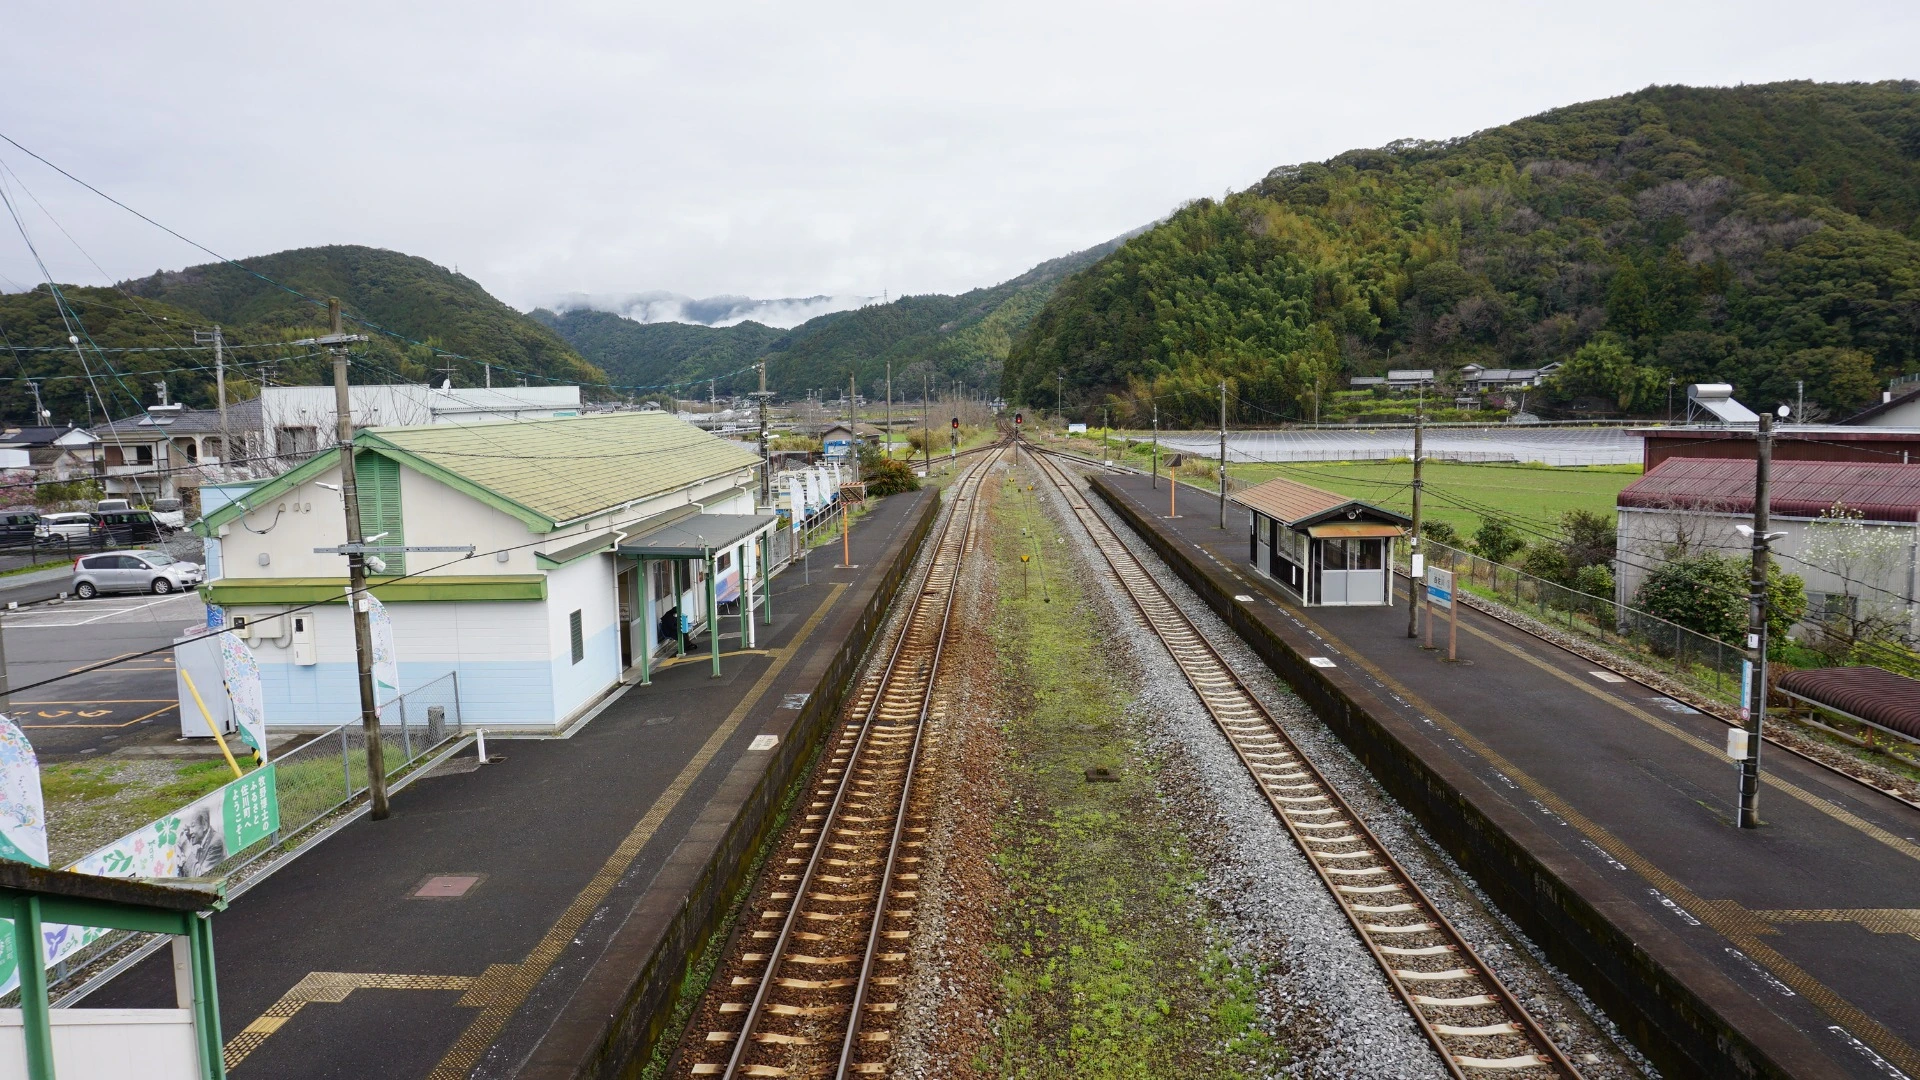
{"x": 30, "y": 953}
{"x": 679, "y": 604}
{"x": 206, "y": 1000}
{"x": 713, "y": 615}
{"x": 766, "y": 574}
{"x": 647, "y": 623}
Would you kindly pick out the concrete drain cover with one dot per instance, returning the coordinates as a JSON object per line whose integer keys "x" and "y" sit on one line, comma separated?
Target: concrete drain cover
{"x": 1102, "y": 776}
{"x": 446, "y": 886}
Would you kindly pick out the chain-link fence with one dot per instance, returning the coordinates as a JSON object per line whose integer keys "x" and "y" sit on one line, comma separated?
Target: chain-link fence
{"x": 1706, "y": 664}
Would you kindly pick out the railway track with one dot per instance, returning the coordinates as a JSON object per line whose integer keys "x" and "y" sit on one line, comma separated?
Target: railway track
{"x": 819, "y": 995}
{"x": 1475, "y": 1023}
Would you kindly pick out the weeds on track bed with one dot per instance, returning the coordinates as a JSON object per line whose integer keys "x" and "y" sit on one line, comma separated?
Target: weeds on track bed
{"x": 1111, "y": 964}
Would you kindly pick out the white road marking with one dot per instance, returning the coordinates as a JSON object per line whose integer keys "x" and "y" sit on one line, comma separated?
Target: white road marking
{"x": 1606, "y": 676}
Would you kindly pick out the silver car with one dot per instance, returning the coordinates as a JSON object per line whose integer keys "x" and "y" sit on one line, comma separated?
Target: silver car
{"x": 141, "y": 570}
{"x": 67, "y": 526}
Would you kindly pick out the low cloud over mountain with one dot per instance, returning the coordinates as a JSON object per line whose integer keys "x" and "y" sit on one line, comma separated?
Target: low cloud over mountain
{"x": 657, "y": 307}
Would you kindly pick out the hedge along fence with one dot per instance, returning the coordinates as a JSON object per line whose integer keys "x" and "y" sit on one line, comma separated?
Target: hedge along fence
{"x": 1705, "y": 664}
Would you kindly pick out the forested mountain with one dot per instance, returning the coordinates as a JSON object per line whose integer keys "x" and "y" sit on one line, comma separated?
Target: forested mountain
{"x": 1760, "y": 235}
{"x": 403, "y": 293}
{"x": 935, "y": 337}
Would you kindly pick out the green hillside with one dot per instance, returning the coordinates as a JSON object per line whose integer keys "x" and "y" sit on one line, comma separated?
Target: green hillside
{"x": 1761, "y": 235}
{"x": 936, "y": 337}
{"x": 403, "y": 293}
{"x": 80, "y": 388}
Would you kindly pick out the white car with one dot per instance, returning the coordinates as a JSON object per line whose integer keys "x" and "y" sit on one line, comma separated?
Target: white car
{"x": 69, "y": 526}
{"x": 170, "y": 513}
{"x": 140, "y": 570}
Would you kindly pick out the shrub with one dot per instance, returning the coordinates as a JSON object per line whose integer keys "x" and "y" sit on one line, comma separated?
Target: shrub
{"x": 1440, "y": 532}
{"x": 1548, "y": 560}
{"x": 1707, "y": 593}
{"x": 1497, "y": 540}
{"x": 890, "y": 476}
{"x": 1594, "y": 579}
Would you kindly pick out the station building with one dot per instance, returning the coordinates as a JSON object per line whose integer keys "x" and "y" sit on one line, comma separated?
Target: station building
{"x": 593, "y": 536}
{"x": 1323, "y": 548}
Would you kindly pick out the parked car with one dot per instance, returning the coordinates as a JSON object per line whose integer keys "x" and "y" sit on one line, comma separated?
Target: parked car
{"x": 70, "y": 526}
{"x": 19, "y": 528}
{"x": 170, "y": 513}
{"x": 105, "y": 505}
{"x": 133, "y": 571}
{"x": 125, "y": 527}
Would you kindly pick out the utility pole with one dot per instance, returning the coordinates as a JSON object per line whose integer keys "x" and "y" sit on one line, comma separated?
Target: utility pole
{"x": 1754, "y": 706}
{"x": 1223, "y": 453}
{"x": 1415, "y": 564}
{"x": 1156, "y": 444}
{"x": 926, "y": 424}
{"x": 1106, "y": 437}
{"x": 336, "y": 342}
{"x": 766, "y": 446}
{"x": 853, "y": 431}
{"x": 889, "y": 410}
{"x": 40, "y": 414}
{"x": 1060, "y": 394}
{"x": 219, "y": 390}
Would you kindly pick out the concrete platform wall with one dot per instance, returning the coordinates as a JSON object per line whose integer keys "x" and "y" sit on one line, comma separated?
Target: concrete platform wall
{"x": 1633, "y": 969}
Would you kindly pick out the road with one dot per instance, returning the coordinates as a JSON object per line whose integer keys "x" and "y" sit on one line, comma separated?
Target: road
{"x": 129, "y": 703}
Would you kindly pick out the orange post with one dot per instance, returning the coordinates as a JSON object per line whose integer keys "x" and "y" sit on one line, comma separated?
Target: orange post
{"x": 846, "y": 536}
{"x": 1173, "y": 489}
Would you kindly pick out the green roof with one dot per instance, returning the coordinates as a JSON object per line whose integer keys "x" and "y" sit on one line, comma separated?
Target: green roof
{"x": 546, "y": 472}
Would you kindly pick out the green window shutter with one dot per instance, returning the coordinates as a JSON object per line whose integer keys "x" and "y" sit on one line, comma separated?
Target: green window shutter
{"x": 378, "y": 482}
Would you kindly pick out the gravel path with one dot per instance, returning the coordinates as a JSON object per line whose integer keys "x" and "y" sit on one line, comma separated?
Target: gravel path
{"x": 1330, "y": 1002}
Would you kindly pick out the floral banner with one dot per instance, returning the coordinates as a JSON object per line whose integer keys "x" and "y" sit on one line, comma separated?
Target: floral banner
{"x": 240, "y": 671}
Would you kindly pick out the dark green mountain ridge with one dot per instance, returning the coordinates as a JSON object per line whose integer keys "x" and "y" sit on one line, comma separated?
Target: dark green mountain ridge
{"x": 1761, "y": 235}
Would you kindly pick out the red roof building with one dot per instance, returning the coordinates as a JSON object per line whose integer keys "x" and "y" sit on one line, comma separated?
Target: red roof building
{"x": 1882, "y": 491}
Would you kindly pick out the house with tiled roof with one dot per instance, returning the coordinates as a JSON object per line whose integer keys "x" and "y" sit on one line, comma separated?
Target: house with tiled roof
{"x": 1697, "y": 504}
{"x": 1325, "y": 549}
{"x": 598, "y": 544}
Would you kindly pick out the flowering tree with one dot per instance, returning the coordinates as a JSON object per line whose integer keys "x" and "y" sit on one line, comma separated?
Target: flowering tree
{"x": 1840, "y": 542}
{"x": 16, "y": 487}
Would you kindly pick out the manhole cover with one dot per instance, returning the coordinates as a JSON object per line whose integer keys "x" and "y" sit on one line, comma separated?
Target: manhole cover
{"x": 446, "y": 886}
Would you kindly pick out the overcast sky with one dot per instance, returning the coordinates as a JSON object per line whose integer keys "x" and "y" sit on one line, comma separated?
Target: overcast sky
{"x": 787, "y": 149}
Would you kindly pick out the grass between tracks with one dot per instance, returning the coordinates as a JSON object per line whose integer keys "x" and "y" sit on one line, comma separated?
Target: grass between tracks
{"x": 1112, "y": 966}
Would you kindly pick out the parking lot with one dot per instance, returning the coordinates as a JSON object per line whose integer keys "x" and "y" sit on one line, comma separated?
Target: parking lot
{"x": 127, "y": 704}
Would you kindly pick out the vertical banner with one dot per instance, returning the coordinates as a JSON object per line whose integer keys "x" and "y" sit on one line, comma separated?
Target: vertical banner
{"x": 386, "y": 663}
{"x": 1746, "y": 690}
{"x": 23, "y": 817}
{"x": 240, "y": 672}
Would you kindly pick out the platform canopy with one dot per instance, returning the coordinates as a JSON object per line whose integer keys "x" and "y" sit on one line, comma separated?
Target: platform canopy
{"x": 695, "y": 536}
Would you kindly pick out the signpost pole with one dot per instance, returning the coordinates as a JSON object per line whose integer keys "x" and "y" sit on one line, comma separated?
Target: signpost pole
{"x": 1453, "y": 624}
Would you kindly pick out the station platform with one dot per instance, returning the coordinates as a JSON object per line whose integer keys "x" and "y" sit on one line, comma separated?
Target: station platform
{"x": 535, "y": 917}
{"x": 1598, "y": 814}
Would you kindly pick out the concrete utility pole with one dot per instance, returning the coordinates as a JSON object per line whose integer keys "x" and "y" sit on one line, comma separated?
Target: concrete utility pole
{"x": 889, "y": 410}
{"x": 1755, "y": 705}
{"x": 203, "y": 337}
{"x": 853, "y": 432}
{"x": 40, "y": 414}
{"x": 1415, "y": 567}
{"x": 336, "y": 342}
{"x": 766, "y": 447}
{"x": 1060, "y": 394}
{"x": 1223, "y": 453}
{"x": 926, "y": 424}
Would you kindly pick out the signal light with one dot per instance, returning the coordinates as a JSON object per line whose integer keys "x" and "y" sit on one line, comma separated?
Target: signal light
{"x": 956, "y": 421}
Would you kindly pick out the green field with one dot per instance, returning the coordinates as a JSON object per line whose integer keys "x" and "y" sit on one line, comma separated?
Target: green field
{"x": 1534, "y": 497}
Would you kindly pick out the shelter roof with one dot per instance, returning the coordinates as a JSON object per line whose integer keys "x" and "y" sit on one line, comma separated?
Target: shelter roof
{"x": 692, "y": 536}
{"x": 1882, "y": 492}
{"x": 1294, "y": 503}
{"x": 1873, "y": 694}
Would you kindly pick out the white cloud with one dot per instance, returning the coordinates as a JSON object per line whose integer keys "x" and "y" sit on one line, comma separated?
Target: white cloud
{"x": 651, "y": 307}
{"x": 834, "y": 148}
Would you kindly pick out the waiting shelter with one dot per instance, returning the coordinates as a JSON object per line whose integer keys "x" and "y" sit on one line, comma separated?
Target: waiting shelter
{"x": 730, "y": 553}
{"x": 1324, "y": 548}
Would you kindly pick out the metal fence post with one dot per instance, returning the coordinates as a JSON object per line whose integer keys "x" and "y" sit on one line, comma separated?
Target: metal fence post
{"x": 406, "y": 737}
{"x": 459, "y": 717}
{"x": 346, "y": 761}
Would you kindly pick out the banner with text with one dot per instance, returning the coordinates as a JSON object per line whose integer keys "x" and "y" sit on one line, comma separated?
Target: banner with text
{"x": 23, "y": 816}
{"x": 386, "y": 662}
